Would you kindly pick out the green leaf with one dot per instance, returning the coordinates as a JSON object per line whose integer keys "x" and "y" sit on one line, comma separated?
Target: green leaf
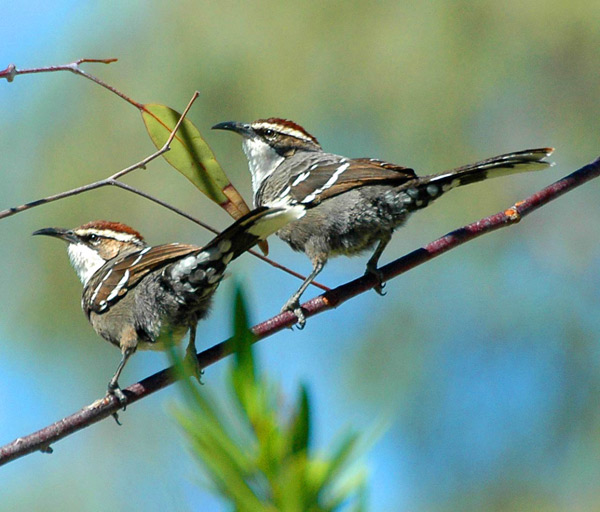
{"x": 243, "y": 375}
{"x": 352, "y": 489}
{"x": 300, "y": 427}
{"x": 242, "y": 340}
{"x": 325, "y": 472}
{"x": 227, "y": 463}
{"x": 192, "y": 157}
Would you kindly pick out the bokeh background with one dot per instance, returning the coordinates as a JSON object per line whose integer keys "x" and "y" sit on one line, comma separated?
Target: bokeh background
{"x": 485, "y": 363}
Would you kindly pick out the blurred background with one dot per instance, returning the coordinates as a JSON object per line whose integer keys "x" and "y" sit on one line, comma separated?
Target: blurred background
{"x": 485, "y": 362}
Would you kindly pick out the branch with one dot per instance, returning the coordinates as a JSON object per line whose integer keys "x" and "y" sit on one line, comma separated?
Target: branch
{"x": 107, "y": 406}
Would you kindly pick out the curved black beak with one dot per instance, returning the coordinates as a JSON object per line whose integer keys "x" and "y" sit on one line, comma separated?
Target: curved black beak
{"x": 244, "y": 129}
{"x": 64, "y": 234}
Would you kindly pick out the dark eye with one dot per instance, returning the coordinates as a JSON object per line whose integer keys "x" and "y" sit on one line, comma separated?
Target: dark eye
{"x": 269, "y": 134}
{"x": 93, "y": 239}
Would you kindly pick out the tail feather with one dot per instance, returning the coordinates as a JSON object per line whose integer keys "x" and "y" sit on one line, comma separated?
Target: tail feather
{"x": 257, "y": 225}
{"x": 502, "y": 165}
{"x": 428, "y": 188}
{"x": 196, "y": 275}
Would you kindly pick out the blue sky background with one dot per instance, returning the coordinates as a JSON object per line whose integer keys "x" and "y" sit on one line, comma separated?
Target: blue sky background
{"x": 483, "y": 362}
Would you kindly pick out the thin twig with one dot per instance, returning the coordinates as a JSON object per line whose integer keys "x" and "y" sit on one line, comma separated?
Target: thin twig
{"x": 111, "y": 180}
{"x": 74, "y": 67}
{"x": 42, "y": 439}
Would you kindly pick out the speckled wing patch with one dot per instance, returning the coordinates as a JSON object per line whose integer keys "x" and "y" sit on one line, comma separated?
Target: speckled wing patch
{"x": 118, "y": 276}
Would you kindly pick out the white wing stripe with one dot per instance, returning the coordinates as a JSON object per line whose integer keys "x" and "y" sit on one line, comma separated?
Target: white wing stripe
{"x": 115, "y": 291}
{"x": 329, "y": 183}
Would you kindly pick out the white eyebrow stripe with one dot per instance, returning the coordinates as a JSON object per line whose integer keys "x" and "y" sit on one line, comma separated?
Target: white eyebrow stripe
{"x": 105, "y": 233}
{"x": 329, "y": 183}
{"x": 115, "y": 291}
{"x": 287, "y": 130}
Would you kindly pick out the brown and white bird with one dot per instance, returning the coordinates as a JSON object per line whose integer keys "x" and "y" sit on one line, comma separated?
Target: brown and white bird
{"x": 359, "y": 201}
{"x": 138, "y": 296}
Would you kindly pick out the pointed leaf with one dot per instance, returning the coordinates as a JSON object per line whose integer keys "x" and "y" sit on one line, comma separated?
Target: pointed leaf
{"x": 242, "y": 338}
{"x": 193, "y": 158}
{"x": 244, "y": 374}
{"x": 325, "y": 472}
{"x": 190, "y": 155}
{"x": 300, "y": 428}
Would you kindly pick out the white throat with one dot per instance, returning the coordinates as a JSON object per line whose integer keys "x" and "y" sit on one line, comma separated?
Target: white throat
{"x": 262, "y": 160}
{"x": 85, "y": 261}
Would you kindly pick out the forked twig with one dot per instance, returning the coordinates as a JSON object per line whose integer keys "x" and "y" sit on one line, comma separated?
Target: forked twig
{"x": 112, "y": 180}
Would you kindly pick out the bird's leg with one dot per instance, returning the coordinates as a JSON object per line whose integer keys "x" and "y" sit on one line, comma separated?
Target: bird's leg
{"x": 293, "y": 303}
{"x": 374, "y": 261}
{"x": 191, "y": 357}
{"x": 113, "y": 385}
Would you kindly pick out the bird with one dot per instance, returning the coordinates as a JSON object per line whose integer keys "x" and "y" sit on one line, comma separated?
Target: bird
{"x": 357, "y": 203}
{"x": 138, "y": 296}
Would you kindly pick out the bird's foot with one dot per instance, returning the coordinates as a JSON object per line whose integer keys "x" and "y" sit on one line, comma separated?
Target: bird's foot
{"x": 117, "y": 392}
{"x": 293, "y": 305}
{"x": 378, "y": 274}
{"x": 192, "y": 364}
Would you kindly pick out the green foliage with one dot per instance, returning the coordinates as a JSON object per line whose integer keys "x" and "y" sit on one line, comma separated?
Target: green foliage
{"x": 255, "y": 457}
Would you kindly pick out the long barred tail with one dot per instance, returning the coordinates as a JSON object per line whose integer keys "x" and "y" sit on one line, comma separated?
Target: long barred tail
{"x": 254, "y": 226}
{"x": 197, "y": 275}
{"x": 428, "y": 188}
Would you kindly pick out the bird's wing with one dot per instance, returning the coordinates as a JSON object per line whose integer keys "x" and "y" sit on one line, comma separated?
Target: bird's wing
{"x": 320, "y": 182}
{"x": 121, "y": 274}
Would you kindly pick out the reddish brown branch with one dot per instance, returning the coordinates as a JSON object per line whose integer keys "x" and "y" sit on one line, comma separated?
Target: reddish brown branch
{"x": 42, "y": 439}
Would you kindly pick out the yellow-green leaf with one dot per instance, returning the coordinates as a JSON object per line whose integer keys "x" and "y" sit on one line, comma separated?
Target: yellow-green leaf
{"x": 193, "y": 158}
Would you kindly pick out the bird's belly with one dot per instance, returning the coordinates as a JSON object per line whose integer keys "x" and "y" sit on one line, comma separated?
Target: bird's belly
{"x": 348, "y": 224}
